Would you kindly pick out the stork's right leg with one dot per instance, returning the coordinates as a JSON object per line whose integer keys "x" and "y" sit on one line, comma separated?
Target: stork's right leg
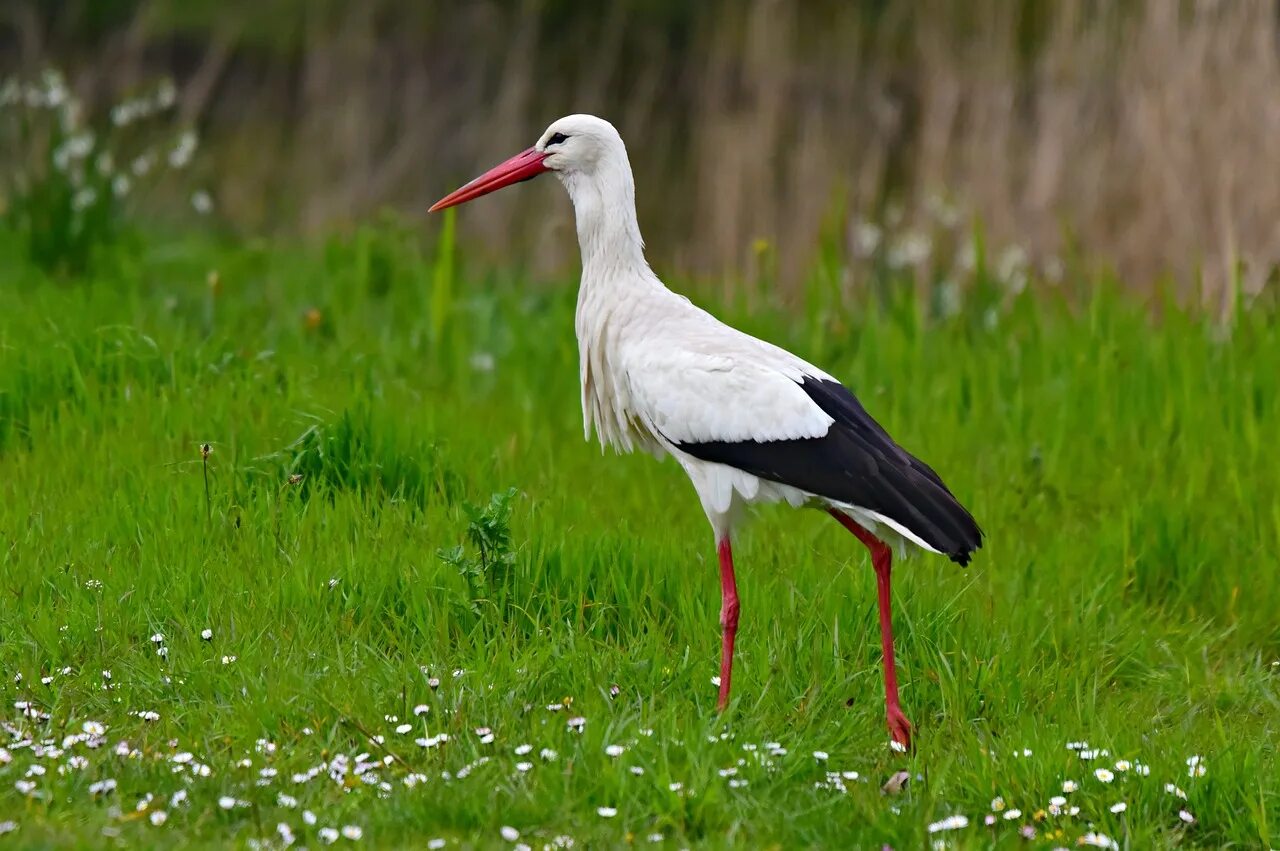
{"x": 728, "y": 617}
{"x": 882, "y": 560}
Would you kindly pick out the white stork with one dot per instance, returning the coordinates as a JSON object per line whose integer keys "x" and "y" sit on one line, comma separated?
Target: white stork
{"x": 749, "y": 422}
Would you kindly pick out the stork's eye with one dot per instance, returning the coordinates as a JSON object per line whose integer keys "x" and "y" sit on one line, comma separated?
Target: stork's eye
{"x": 556, "y": 139}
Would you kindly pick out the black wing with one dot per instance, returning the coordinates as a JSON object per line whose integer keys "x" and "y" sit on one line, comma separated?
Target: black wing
{"x": 857, "y": 463}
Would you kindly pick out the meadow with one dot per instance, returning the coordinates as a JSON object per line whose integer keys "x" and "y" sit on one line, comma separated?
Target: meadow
{"x": 398, "y": 600}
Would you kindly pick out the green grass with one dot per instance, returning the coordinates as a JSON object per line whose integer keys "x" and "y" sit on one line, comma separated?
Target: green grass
{"x": 1124, "y": 468}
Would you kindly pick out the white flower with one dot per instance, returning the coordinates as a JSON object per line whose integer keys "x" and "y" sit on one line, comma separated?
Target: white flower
{"x": 328, "y": 835}
{"x": 1099, "y": 840}
{"x": 894, "y": 745}
{"x": 202, "y": 203}
{"x": 421, "y": 709}
{"x": 615, "y": 750}
{"x": 227, "y": 660}
{"x": 866, "y": 238}
{"x": 1119, "y": 807}
{"x": 956, "y": 822}
{"x": 910, "y": 250}
{"x": 577, "y": 724}
{"x": 93, "y": 728}
{"x": 654, "y": 837}
{"x": 26, "y": 787}
{"x": 102, "y": 787}
{"x": 509, "y": 833}
{"x": 997, "y": 804}
{"x": 158, "y": 817}
{"x": 1122, "y": 765}
{"x": 522, "y": 767}
{"x": 820, "y": 756}
{"x": 1104, "y": 775}
{"x": 607, "y": 812}
{"x": 121, "y": 114}
{"x": 404, "y": 728}
{"x": 1174, "y": 790}
{"x": 308, "y": 818}
{"x": 547, "y": 754}
{"x": 180, "y": 156}
{"x": 1144, "y": 770}
{"x": 206, "y": 634}
{"x": 80, "y": 145}
{"x": 83, "y": 200}
{"x": 178, "y": 798}
{"x": 352, "y": 832}
{"x": 226, "y": 802}
{"x": 435, "y": 844}
{"x": 166, "y": 94}
{"x": 1195, "y": 766}
{"x": 1012, "y": 814}
{"x": 1069, "y": 786}
{"x": 1186, "y": 816}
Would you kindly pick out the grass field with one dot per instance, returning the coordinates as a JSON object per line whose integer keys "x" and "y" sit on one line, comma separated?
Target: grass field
{"x": 1124, "y": 468}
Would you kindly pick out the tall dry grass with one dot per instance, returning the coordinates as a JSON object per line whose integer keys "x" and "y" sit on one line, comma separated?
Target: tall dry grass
{"x": 1141, "y": 137}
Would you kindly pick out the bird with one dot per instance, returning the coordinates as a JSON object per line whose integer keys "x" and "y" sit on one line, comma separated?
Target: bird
{"x": 749, "y": 422}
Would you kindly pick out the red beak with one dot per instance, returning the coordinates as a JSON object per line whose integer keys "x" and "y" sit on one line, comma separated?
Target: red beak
{"x": 523, "y": 166}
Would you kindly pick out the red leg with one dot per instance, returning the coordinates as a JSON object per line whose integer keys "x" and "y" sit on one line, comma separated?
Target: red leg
{"x": 728, "y": 618}
{"x": 881, "y": 560}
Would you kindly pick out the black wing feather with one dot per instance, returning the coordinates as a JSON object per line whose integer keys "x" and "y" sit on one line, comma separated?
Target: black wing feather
{"x": 857, "y": 463}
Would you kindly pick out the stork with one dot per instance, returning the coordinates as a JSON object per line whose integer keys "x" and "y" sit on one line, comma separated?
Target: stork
{"x": 748, "y": 421}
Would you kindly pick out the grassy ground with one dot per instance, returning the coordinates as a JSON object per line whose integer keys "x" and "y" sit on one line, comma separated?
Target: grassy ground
{"x": 1124, "y": 469}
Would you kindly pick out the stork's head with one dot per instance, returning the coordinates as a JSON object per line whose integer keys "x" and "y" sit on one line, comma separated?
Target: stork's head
{"x": 571, "y": 146}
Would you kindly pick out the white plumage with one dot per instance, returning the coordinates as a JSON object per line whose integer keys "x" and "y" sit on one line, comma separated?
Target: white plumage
{"x": 747, "y": 421}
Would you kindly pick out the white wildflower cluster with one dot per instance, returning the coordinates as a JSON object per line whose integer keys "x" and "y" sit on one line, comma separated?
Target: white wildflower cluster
{"x": 142, "y": 107}
{"x": 933, "y": 242}
{"x": 98, "y": 169}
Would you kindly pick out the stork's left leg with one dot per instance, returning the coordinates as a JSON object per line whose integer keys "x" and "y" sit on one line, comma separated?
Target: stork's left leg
{"x": 882, "y": 560}
{"x": 728, "y": 617}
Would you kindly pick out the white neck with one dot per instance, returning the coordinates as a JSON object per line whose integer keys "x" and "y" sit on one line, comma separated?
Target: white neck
{"x": 604, "y": 206}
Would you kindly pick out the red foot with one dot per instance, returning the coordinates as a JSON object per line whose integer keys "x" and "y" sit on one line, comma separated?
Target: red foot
{"x": 899, "y": 727}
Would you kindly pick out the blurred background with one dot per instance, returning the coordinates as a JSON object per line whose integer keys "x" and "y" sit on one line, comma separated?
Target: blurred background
{"x": 1138, "y": 138}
